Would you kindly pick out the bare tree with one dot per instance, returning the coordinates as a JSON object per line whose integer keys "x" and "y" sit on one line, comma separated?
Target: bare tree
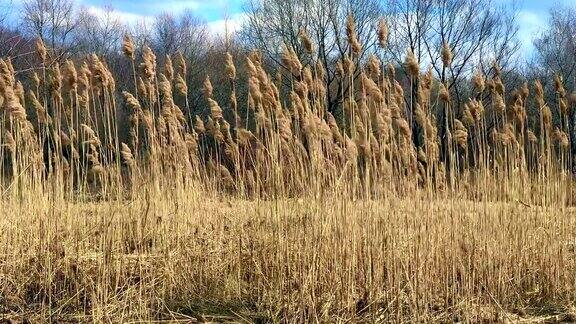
{"x": 555, "y": 47}
{"x": 99, "y": 32}
{"x": 478, "y": 33}
{"x": 555, "y": 54}
{"x": 185, "y": 33}
{"x": 10, "y": 38}
{"x": 14, "y": 43}
{"x": 272, "y": 23}
{"x": 54, "y": 21}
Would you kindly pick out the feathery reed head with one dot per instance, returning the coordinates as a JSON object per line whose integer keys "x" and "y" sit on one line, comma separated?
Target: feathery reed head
{"x": 41, "y": 49}
{"x": 352, "y": 35}
{"x": 546, "y": 115}
{"x": 168, "y": 68}
{"x": 446, "y": 54}
{"x": 148, "y": 64}
{"x": 128, "y": 47}
{"x": 127, "y": 154}
{"x": 382, "y": 33}
{"x": 230, "y": 68}
{"x": 559, "y": 85}
{"x": 181, "y": 86}
{"x": 561, "y": 138}
{"x": 479, "y": 81}
{"x": 306, "y": 41}
{"x": 460, "y": 134}
{"x": 181, "y": 63}
{"x": 215, "y": 110}
{"x": 291, "y": 61}
{"x": 444, "y": 93}
{"x": 131, "y": 101}
{"x": 208, "y": 88}
{"x": 70, "y": 75}
{"x": 411, "y": 63}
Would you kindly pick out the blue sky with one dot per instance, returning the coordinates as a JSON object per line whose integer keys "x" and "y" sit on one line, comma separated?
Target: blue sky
{"x": 532, "y": 16}
{"x": 217, "y": 13}
{"x": 210, "y": 10}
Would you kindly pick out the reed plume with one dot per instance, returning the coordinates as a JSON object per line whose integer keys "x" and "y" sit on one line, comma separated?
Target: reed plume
{"x": 148, "y": 64}
{"x": 128, "y": 47}
{"x": 41, "y": 49}
{"x": 291, "y": 61}
{"x": 306, "y": 41}
{"x": 412, "y": 64}
{"x": 352, "y": 36}
{"x": 180, "y": 85}
{"x": 168, "y": 68}
{"x": 382, "y": 33}
{"x": 208, "y": 88}
{"x": 446, "y": 54}
{"x": 215, "y": 110}
{"x": 230, "y": 68}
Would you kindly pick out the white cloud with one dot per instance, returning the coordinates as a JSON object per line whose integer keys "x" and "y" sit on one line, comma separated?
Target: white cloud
{"x": 217, "y": 27}
{"x": 124, "y": 17}
{"x": 171, "y": 6}
{"x": 530, "y": 24}
{"x": 232, "y": 24}
{"x": 148, "y": 7}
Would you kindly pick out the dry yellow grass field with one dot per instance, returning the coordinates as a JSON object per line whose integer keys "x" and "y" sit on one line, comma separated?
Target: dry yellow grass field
{"x": 295, "y": 260}
{"x": 399, "y": 207}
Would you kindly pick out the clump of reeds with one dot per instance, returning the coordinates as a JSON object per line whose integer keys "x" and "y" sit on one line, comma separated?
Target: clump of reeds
{"x": 256, "y": 194}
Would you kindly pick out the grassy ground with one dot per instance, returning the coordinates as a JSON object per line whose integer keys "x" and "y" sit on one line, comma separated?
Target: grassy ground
{"x": 181, "y": 256}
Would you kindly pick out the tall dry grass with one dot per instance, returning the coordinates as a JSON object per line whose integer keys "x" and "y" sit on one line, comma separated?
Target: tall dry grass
{"x": 401, "y": 206}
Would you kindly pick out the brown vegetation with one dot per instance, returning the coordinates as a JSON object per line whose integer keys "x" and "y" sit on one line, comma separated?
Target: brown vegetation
{"x": 282, "y": 210}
